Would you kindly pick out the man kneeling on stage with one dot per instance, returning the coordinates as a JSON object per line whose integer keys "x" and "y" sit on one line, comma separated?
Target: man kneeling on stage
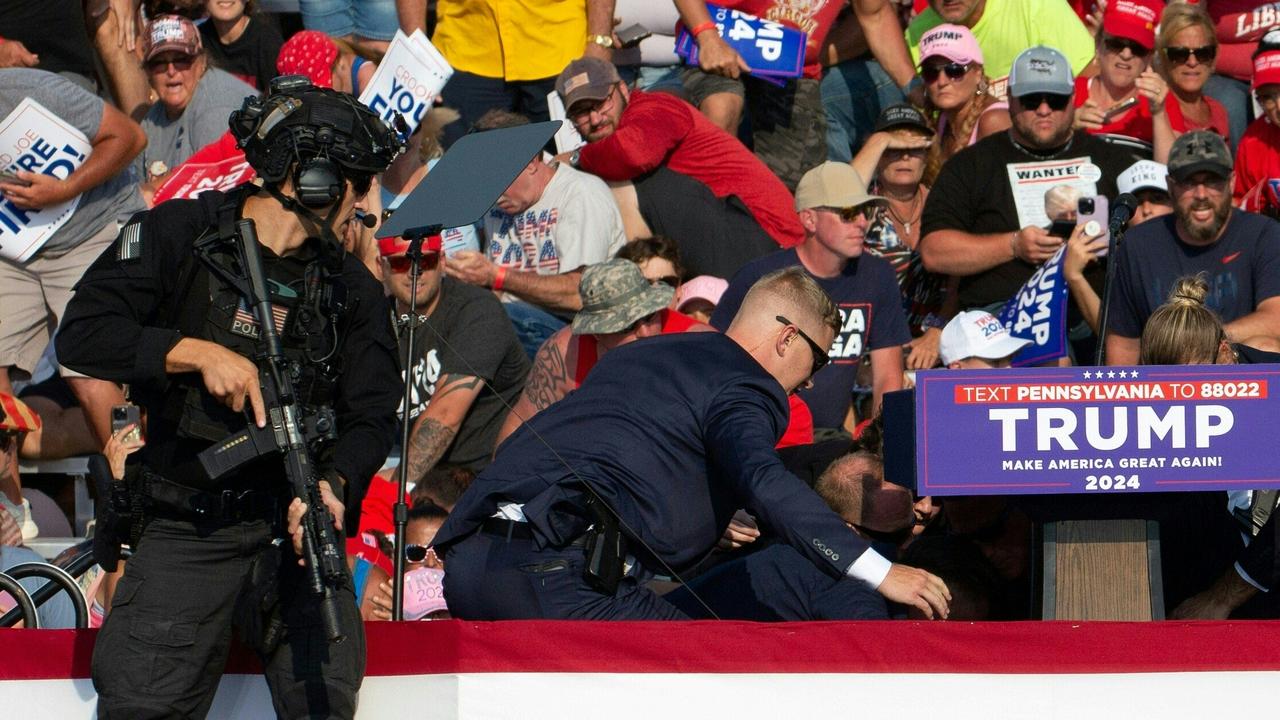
{"x": 639, "y": 471}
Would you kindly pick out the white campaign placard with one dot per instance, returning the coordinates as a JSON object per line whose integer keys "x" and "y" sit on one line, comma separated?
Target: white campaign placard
{"x": 33, "y": 138}
{"x": 1030, "y": 180}
{"x": 408, "y": 79}
{"x": 567, "y": 137}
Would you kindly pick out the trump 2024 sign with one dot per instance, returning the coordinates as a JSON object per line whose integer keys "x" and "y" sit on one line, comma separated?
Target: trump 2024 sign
{"x": 1097, "y": 430}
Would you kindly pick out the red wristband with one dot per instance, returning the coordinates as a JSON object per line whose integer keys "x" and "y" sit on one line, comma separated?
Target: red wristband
{"x": 708, "y": 25}
{"x": 499, "y": 277}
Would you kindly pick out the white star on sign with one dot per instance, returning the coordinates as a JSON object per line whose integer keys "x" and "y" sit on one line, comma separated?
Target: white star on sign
{"x": 1133, "y": 373}
{"x": 1111, "y": 373}
{"x": 1087, "y": 374}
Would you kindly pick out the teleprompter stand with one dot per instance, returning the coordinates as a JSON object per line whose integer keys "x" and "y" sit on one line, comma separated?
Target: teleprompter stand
{"x": 457, "y": 192}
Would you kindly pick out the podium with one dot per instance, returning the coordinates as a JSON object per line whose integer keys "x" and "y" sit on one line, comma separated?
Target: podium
{"x": 1101, "y": 570}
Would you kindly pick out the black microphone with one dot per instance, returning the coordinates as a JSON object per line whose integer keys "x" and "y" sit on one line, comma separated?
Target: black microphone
{"x": 369, "y": 221}
{"x": 1122, "y": 211}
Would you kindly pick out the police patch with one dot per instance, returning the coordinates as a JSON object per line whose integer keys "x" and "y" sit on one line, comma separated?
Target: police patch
{"x": 130, "y": 245}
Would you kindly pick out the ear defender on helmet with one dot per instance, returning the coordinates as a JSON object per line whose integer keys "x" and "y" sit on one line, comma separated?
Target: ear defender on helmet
{"x": 324, "y": 136}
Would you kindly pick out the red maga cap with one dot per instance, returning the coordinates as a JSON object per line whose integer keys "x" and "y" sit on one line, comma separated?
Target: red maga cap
{"x": 1133, "y": 19}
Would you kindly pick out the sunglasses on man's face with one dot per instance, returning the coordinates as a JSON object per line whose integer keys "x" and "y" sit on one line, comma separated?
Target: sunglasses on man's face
{"x": 1181, "y": 55}
{"x": 1118, "y": 45}
{"x": 400, "y": 264}
{"x": 1055, "y": 102}
{"x": 954, "y": 70}
{"x": 850, "y": 214}
{"x": 820, "y": 356}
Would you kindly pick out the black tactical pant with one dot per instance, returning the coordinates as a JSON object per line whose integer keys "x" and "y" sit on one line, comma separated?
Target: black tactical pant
{"x": 164, "y": 645}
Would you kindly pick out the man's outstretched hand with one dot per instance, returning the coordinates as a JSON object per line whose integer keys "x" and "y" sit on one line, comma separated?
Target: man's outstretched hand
{"x": 917, "y": 588}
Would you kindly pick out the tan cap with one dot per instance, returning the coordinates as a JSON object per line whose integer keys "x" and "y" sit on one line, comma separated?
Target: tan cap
{"x": 833, "y": 184}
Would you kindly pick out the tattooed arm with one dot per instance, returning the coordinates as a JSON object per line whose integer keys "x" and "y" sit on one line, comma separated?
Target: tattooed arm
{"x": 435, "y": 428}
{"x": 550, "y": 379}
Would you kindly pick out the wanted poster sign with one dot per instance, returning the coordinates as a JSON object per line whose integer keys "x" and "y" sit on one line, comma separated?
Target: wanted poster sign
{"x": 1030, "y": 180}
{"x": 409, "y": 78}
{"x": 34, "y": 139}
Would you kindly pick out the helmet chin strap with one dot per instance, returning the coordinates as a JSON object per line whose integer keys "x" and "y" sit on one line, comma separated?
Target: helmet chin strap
{"x": 325, "y": 224}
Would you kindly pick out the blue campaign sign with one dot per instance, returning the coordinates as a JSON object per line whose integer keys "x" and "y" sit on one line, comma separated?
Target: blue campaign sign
{"x": 768, "y": 48}
{"x": 1039, "y": 313}
{"x": 1095, "y": 429}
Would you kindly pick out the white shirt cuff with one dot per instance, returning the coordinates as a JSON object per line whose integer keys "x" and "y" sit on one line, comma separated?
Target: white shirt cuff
{"x": 871, "y": 568}
{"x": 1245, "y": 576}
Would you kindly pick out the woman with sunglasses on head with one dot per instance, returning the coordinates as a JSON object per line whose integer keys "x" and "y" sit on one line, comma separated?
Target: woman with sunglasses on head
{"x": 1186, "y": 48}
{"x": 956, "y": 85}
{"x": 1126, "y": 97}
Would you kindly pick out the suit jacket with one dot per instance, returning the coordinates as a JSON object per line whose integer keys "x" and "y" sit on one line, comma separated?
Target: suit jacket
{"x": 675, "y": 432}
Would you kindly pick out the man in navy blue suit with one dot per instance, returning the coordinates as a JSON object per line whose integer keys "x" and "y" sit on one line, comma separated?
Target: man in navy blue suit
{"x": 640, "y": 470}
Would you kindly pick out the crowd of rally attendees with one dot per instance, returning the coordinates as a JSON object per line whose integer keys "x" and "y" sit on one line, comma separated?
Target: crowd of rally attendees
{"x": 892, "y": 170}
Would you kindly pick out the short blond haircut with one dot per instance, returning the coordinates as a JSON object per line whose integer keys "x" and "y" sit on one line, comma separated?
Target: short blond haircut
{"x": 794, "y": 288}
{"x": 1183, "y": 331}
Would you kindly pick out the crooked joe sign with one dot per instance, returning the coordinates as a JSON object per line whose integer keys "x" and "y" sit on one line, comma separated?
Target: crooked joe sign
{"x": 1096, "y": 430}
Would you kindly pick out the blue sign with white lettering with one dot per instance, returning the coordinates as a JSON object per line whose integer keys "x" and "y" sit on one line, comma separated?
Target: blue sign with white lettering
{"x": 1039, "y": 313}
{"x": 768, "y": 48}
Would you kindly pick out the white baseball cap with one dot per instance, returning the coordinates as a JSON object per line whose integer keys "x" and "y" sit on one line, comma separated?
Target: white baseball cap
{"x": 1143, "y": 174}
{"x": 975, "y": 333}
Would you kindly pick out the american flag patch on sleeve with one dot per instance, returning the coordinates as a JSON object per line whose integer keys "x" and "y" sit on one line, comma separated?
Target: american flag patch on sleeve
{"x": 130, "y": 246}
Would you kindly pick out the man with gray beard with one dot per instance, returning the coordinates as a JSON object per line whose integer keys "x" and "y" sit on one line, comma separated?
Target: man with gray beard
{"x": 1238, "y": 253}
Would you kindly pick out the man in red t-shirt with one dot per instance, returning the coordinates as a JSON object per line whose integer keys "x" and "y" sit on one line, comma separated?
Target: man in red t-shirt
{"x": 674, "y": 173}
{"x": 1258, "y": 156}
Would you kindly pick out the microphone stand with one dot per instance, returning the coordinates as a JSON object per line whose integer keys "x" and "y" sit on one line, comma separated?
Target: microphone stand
{"x": 415, "y": 237}
{"x": 1116, "y": 231}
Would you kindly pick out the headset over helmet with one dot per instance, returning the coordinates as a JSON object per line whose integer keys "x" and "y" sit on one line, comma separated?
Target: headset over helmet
{"x": 322, "y": 134}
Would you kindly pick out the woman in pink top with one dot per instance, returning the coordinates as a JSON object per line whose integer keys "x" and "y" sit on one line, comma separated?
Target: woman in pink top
{"x": 956, "y": 92}
{"x": 1125, "y": 41}
{"x": 1186, "y": 48}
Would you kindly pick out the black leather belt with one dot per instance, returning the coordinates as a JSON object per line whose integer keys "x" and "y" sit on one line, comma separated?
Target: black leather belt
{"x": 227, "y": 506}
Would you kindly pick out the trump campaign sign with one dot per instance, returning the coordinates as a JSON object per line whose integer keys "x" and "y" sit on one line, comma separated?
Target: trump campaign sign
{"x": 1095, "y": 430}
{"x": 408, "y": 79}
{"x": 191, "y": 179}
{"x": 34, "y": 139}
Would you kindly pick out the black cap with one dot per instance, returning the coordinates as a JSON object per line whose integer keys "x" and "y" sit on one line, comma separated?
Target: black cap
{"x": 902, "y": 115}
{"x": 1199, "y": 151}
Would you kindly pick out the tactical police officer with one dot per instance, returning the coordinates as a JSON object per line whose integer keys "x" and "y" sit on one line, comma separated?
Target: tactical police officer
{"x": 165, "y": 310}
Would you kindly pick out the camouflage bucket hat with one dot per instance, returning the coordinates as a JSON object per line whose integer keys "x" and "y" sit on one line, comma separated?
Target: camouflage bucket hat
{"x": 614, "y": 296}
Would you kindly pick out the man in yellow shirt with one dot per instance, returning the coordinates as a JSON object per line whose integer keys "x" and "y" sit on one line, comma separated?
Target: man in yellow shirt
{"x": 1005, "y": 28}
{"x": 507, "y": 53}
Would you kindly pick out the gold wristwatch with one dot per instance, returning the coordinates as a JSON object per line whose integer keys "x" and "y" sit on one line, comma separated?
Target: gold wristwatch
{"x": 604, "y": 41}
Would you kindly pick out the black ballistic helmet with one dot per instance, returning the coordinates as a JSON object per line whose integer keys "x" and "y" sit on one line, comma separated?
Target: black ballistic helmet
{"x": 323, "y": 134}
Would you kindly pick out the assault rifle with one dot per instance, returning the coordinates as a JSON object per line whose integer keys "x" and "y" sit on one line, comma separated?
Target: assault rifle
{"x": 289, "y": 430}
